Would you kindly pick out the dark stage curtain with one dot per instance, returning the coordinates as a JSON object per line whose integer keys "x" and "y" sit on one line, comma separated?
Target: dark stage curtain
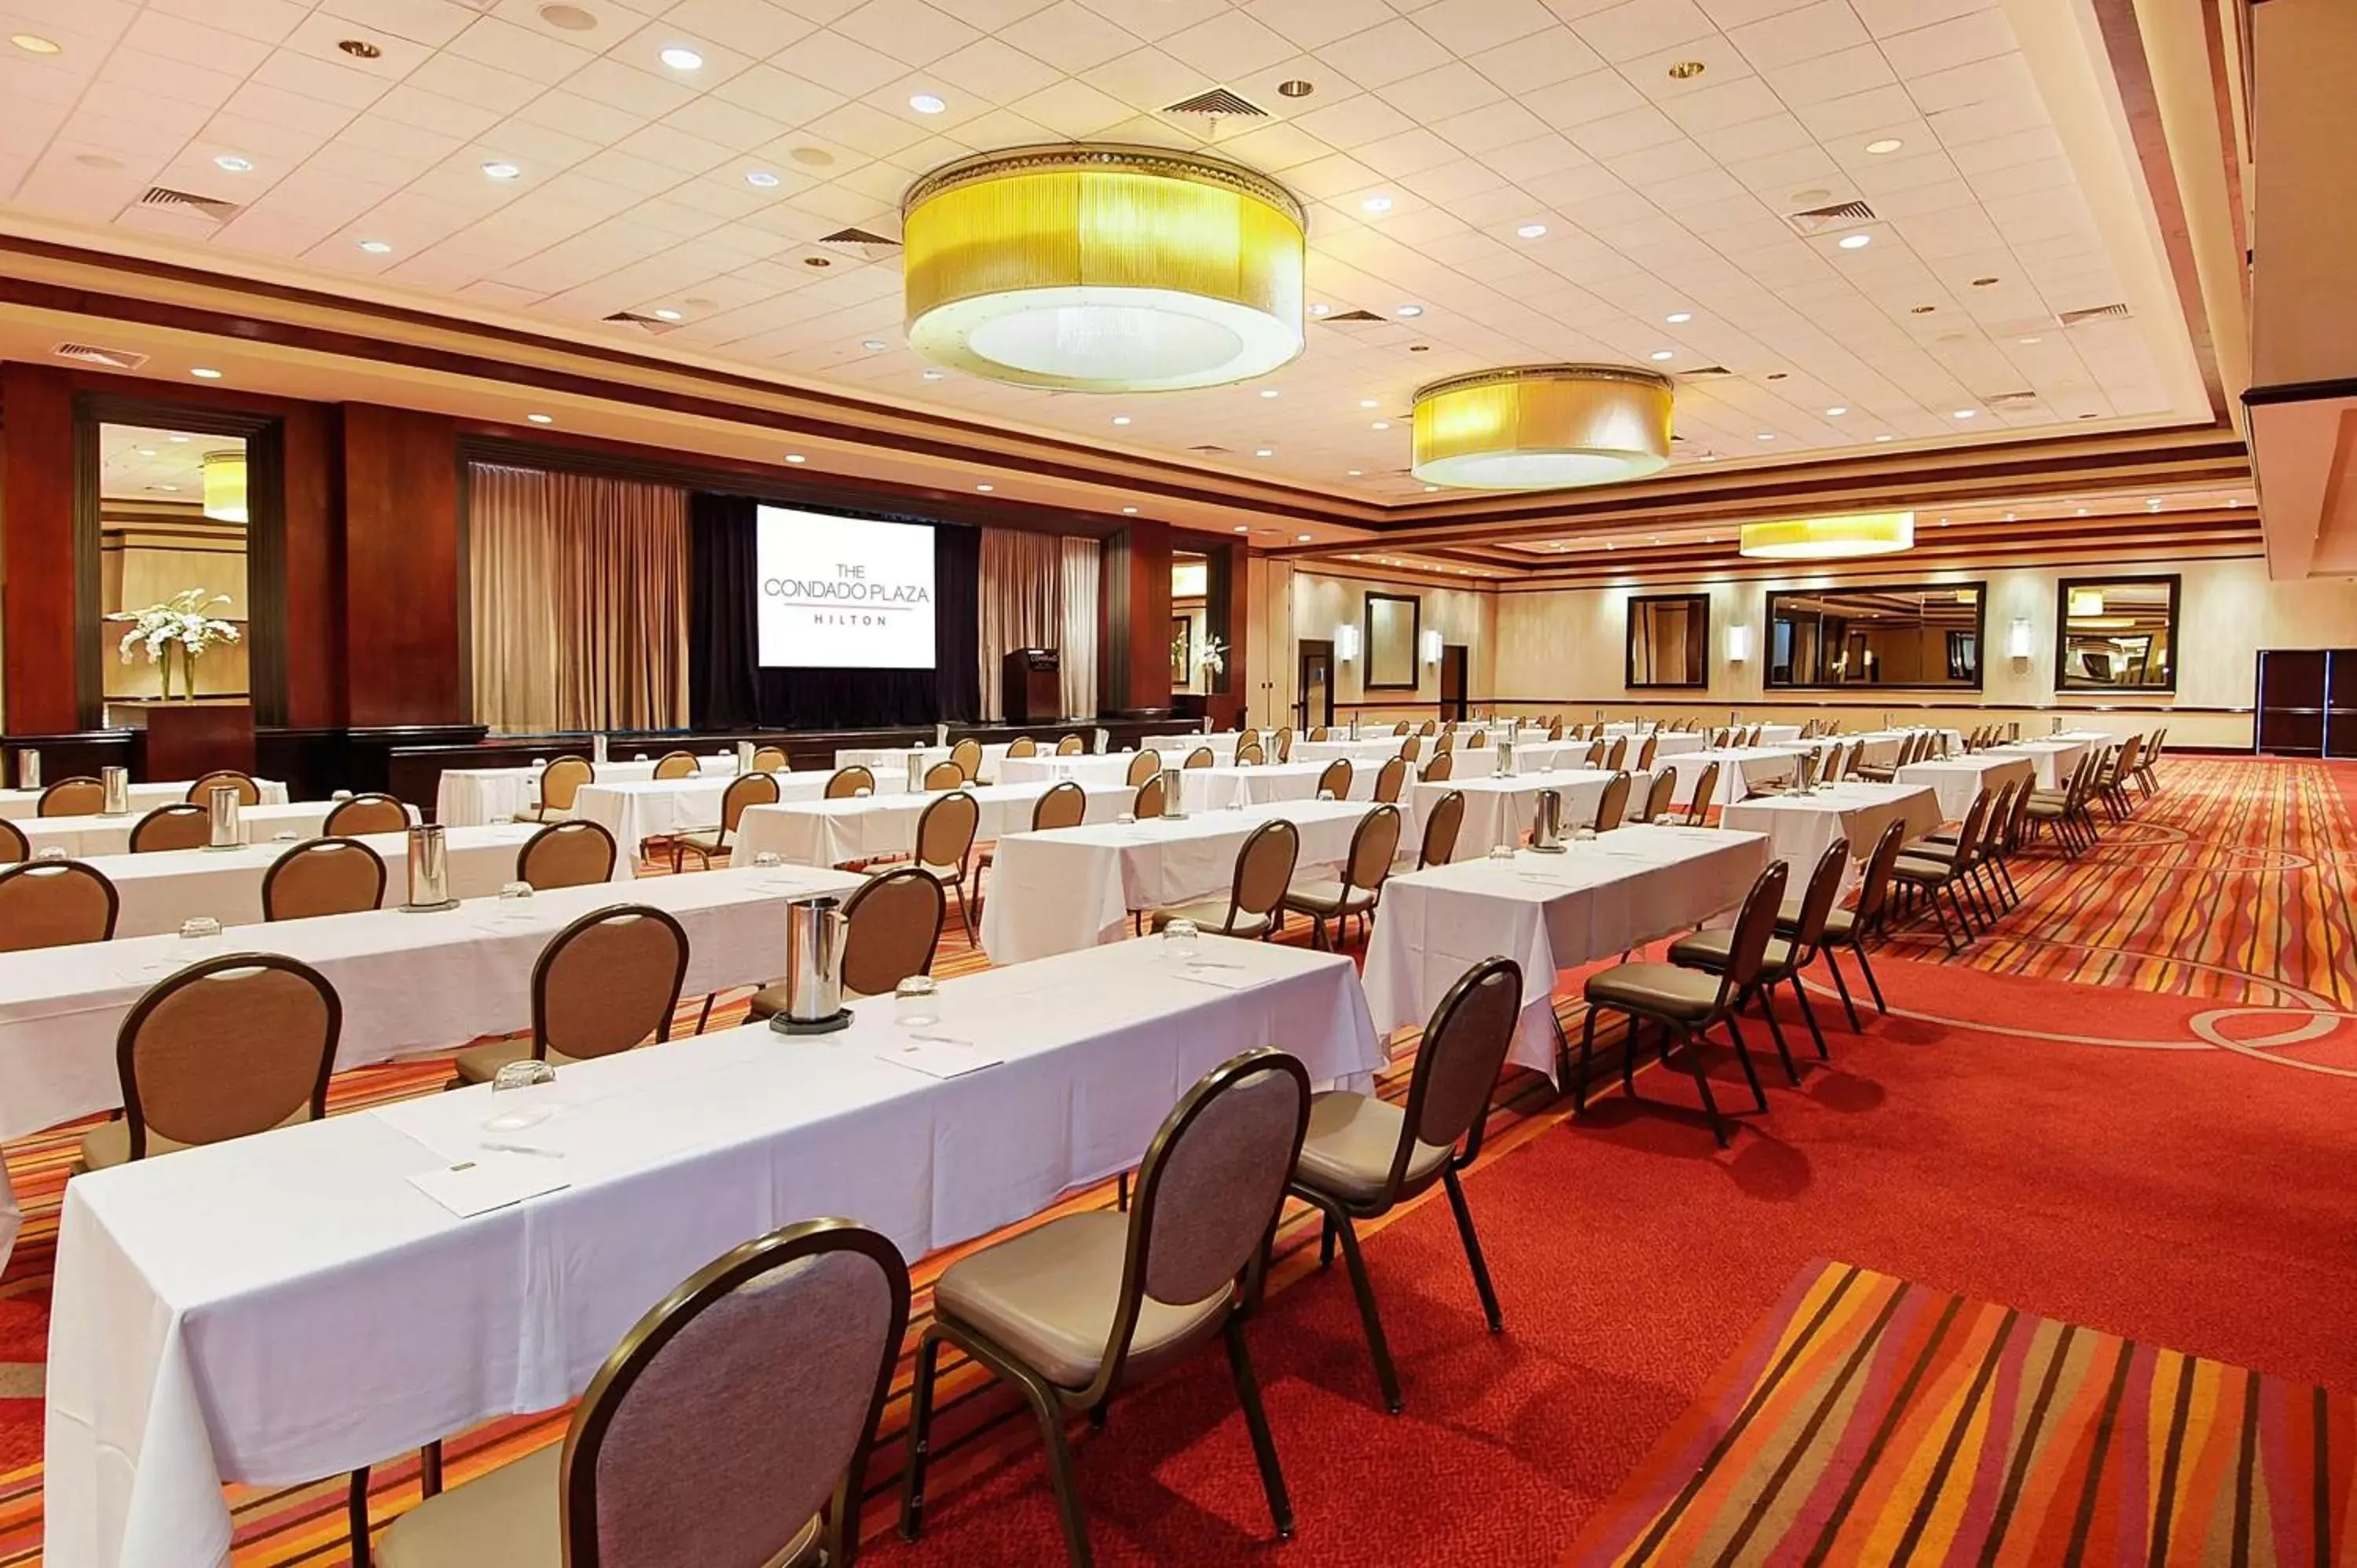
{"x": 727, "y": 689}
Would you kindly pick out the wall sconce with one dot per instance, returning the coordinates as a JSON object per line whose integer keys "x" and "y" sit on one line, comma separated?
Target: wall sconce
{"x": 1738, "y": 644}
{"x": 1346, "y": 641}
{"x": 2017, "y": 643}
{"x": 1432, "y": 645}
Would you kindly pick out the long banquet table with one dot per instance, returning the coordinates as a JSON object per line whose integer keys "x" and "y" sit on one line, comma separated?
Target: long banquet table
{"x": 1099, "y": 767}
{"x": 1800, "y": 828}
{"x": 20, "y": 805}
{"x": 289, "y": 1306}
{"x": 893, "y": 760}
{"x": 1740, "y": 767}
{"x": 84, "y": 836}
{"x": 834, "y": 832}
{"x": 2055, "y": 760}
{"x": 1548, "y": 912}
{"x": 469, "y": 797}
{"x": 1217, "y": 787}
{"x": 1956, "y": 779}
{"x": 636, "y": 810}
{"x": 1498, "y": 810}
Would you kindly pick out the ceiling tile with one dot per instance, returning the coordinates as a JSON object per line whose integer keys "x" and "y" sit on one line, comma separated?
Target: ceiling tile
{"x": 1640, "y": 28}
{"x": 1541, "y": 60}
{"x": 1385, "y": 54}
{"x": 909, "y": 31}
{"x": 1070, "y": 36}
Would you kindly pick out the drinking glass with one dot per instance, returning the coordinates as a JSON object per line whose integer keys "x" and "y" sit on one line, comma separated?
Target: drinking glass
{"x": 916, "y": 1003}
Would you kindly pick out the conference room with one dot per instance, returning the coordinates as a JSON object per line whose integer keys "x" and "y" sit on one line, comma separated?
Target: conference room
{"x": 1176, "y": 782}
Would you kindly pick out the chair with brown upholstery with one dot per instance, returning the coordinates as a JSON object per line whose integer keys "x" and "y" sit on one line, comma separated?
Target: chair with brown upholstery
{"x": 1264, "y": 870}
{"x": 1283, "y": 742}
{"x": 1320, "y": 732}
{"x": 1645, "y": 753}
{"x": 55, "y": 903}
{"x": 1428, "y": 727}
{"x": 248, "y": 793}
{"x": 1071, "y": 746}
{"x": 1659, "y": 796}
{"x": 1401, "y": 727}
{"x": 1022, "y": 746}
{"x": 1613, "y": 804}
{"x": 1201, "y": 756}
{"x": 1706, "y": 786}
{"x": 1144, "y": 765}
{"x": 324, "y": 876}
{"x": 1065, "y": 806}
{"x": 366, "y": 814}
{"x": 603, "y": 985}
{"x": 1594, "y": 757}
{"x": 1445, "y": 744}
{"x": 1072, "y": 1310}
{"x": 1374, "y": 844}
{"x": 1554, "y": 730}
{"x": 566, "y": 855}
{"x": 1616, "y": 756}
{"x": 560, "y": 781}
{"x": 1687, "y": 1003}
{"x": 944, "y": 776}
{"x": 892, "y": 924}
{"x": 1788, "y": 952}
{"x": 1477, "y": 740}
{"x": 677, "y": 764}
{"x": 731, "y": 1425}
{"x": 14, "y": 845}
{"x": 1363, "y": 1156}
{"x": 967, "y": 754}
{"x": 1390, "y": 779}
{"x": 1148, "y": 802}
{"x": 176, "y": 826}
{"x": 235, "y": 1045}
{"x": 1928, "y": 876}
{"x": 76, "y": 797}
{"x": 756, "y": 789}
{"x": 945, "y": 850}
{"x": 1440, "y": 825}
{"x": 1411, "y": 748}
{"x": 846, "y": 782}
{"x": 1249, "y": 753}
{"x": 1439, "y": 770}
{"x": 1335, "y": 779}
{"x": 771, "y": 759}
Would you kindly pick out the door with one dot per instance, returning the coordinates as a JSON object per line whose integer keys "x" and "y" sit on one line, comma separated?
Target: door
{"x": 1316, "y": 705}
{"x": 2291, "y": 702}
{"x": 2341, "y": 702}
{"x": 1452, "y": 680}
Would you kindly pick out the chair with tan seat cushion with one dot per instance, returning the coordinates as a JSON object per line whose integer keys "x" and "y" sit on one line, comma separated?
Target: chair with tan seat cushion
{"x": 1926, "y": 875}
{"x": 366, "y": 814}
{"x": 55, "y": 903}
{"x": 1440, "y": 770}
{"x": 1705, "y": 785}
{"x": 1201, "y": 756}
{"x": 1659, "y": 796}
{"x": 1645, "y": 753}
{"x": 235, "y": 1045}
{"x": 1249, "y": 753}
{"x": 1143, "y": 767}
{"x": 560, "y": 781}
{"x": 325, "y": 876}
{"x": 1363, "y": 1156}
{"x": 945, "y": 850}
{"x": 944, "y": 776}
{"x": 1065, "y": 806}
{"x": 967, "y": 754}
{"x": 248, "y": 793}
{"x": 72, "y": 798}
{"x": 1264, "y": 869}
{"x": 677, "y": 764}
{"x": 730, "y": 1426}
{"x": 1401, "y": 727}
{"x": 1320, "y": 732}
{"x": 1792, "y": 948}
{"x": 176, "y": 826}
{"x": 1440, "y": 824}
{"x": 1282, "y": 743}
{"x": 772, "y": 759}
{"x": 1073, "y": 1311}
{"x": 1071, "y": 746}
{"x": 1612, "y": 806}
{"x": 603, "y": 985}
{"x": 13, "y": 843}
{"x": 1334, "y": 778}
{"x": 1148, "y": 802}
{"x": 746, "y": 789}
{"x": 1022, "y": 746}
{"x": 1411, "y": 747}
{"x": 1374, "y": 844}
{"x": 1391, "y": 779}
{"x": 566, "y": 855}
{"x": 1594, "y": 756}
{"x": 892, "y": 924}
{"x": 845, "y": 783}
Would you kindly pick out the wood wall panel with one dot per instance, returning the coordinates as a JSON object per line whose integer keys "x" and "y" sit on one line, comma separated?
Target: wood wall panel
{"x": 315, "y": 567}
{"x": 36, "y": 542}
{"x": 403, "y": 568}
{"x": 1134, "y": 625}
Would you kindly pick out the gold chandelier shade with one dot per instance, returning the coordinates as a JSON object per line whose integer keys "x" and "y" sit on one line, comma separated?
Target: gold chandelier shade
{"x": 1103, "y": 268}
{"x": 1541, "y": 427}
{"x": 1829, "y": 538}
{"x": 224, "y": 476}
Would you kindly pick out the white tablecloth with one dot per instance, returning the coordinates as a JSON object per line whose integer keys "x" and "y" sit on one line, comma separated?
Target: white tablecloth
{"x": 468, "y": 797}
{"x": 1778, "y": 735}
{"x": 1216, "y": 789}
{"x": 2054, "y": 759}
{"x": 82, "y": 837}
{"x": 832, "y": 833}
{"x": 1798, "y": 828}
{"x": 18, "y": 805}
{"x": 1372, "y": 752}
{"x": 1548, "y": 912}
{"x": 1739, "y": 769}
{"x": 162, "y": 888}
{"x": 1500, "y": 811}
{"x": 1956, "y": 779}
{"x": 1109, "y": 768}
{"x": 893, "y": 760}
{"x": 1054, "y": 892}
{"x": 286, "y": 1308}
{"x": 1176, "y": 748}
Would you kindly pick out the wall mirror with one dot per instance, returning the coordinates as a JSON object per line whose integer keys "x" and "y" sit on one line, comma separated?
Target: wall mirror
{"x": 1395, "y": 623}
{"x": 1190, "y": 621}
{"x": 1669, "y": 641}
{"x": 1915, "y": 636}
{"x": 2115, "y": 634}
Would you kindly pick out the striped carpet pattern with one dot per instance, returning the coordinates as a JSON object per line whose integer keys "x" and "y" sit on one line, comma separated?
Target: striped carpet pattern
{"x": 1873, "y": 1421}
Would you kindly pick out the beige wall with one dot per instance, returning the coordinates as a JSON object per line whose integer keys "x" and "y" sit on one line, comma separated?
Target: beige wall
{"x": 1290, "y": 603}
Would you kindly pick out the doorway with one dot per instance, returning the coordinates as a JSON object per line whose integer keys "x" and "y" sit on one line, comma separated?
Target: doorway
{"x": 1315, "y": 706}
{"x": 1453, "y": 667}
{"x": 2307, "y": 702}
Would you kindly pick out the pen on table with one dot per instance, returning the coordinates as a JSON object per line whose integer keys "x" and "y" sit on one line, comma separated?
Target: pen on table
{"x": 525, "y": 1149}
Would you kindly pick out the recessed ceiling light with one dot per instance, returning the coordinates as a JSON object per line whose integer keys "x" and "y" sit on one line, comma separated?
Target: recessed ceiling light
{"x": 1242, "y": 528}
{"x": 1296, "y": 88}
{"x": 1856, "y": 242}
{"x": 761, "y": 179}
{"x": 1687, "y": 69}
{"x": 1679, "y": 318}
{"x": 1264, "y": 452}
{"x": 679, "y": 58}
{"x": 2026, "y": 342}
{"x": 169, "y": 489}
{"x": 34, "y": 44}
{"x": 2234, "y": 500}
{"x": 1409, "y": 310}
{"x": 1836, "y": 412}
{"x": 1381, "y": 424}
{"x": 935, "y": 375}
{"x": 1882, "y": 438}
{"x": 1533, "y": 230}
{"x": 1129, "y": 512}
{"x": 1664, "y": 354}
{"x": 1767, "y": 436}
{"x": 1884, "y": 144}
{"x": 796, "y": 457}
{"x": 572, "y": 18}
{"x": 205, "y": 373}
{"x": 1966, "y": 413}
{"x": 1376, "y": 204}
{"x": 501, "y": 171}
{"x": 1429, "y": 488}
{"x": 360, "y": 49}
{"x": 1356, "y": 473}
{"x": 1121, "y": 419}
{"x": 875, "y": 345}
{"x": 986, "y": 488}
{"x": 177, "y": 438}
{"x": 542, "y": 418}
{"x": 234, "y": 164}
{"x": 1268, "y": 391}
{"x": 926, "y": 104}
{"x": 666, "y": 314}
{"x": 147, "y": 451}
{"x": 1301, "y": 539}
{"x": 1319, "y": 309}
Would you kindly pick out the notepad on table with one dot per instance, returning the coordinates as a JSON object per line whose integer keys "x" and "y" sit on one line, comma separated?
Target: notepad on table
{"x": 495, "y": 1181}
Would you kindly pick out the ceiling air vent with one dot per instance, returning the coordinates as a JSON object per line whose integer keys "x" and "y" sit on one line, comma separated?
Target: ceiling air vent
{"x": 2098, "y": 312}
{"x": 90, "y": 354}
{"x": 1349, "y": 318}
{"x": 1817, "y": 219}
{"x": 2011, "y": 400}
{"x": 1216, "y": 101}
{"x": 1209, "y": 451}
{"x": 633, "y": 319}
{"x": 1702, "y": 372}
{"x": 211, "y": 207}
{"x": 859, "y": 243}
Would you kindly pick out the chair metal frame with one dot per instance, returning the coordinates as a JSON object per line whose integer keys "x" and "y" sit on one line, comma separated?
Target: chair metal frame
{"x": 312, "y": 846}
{"x": 126, "y": 1038}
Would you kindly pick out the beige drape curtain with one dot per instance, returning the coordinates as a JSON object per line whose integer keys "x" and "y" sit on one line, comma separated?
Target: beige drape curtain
{"x": 579, "y": 596}
{"x": 1022, "y": 603}
{"x": 1081, "y": 584}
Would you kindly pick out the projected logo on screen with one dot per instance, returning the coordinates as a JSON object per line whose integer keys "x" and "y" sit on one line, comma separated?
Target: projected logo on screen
{"x": 842, "y": 592}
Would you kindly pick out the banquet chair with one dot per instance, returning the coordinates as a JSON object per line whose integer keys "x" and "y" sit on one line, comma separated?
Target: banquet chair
{"x": 1706, "y": 788}
{"x": 1283, "y": 741}
{"x": 1336, "y": 776}
{"x": 1201, "y": 756}
{"x": 1594, "y": 757}
{"x": 1613, "y": 804}
{"x": 1982, "y": 862}
{"x": 967, "y": 754}
{"x": 1928, "y": 876}
{"x": 1319, "y": 732}
{"x": 1849, "y": 928}
{"x": 1477, "y": 740}
{"x": 771, "y": 759}
{"x": 2144, "y": 773}
{"x": 844, "y": 783}
{"x": 1412, "y": 747}
{"x": 55, "y": 903}
{"x": 1374, "y": 844}
{"x": 1148, "y": 802}
{"x": 1255, "y": 898}
{"x": 944, "y": 776}
{"x": 1554, "y": 730}
{"x": 176, "y": 826}
{"x": 366, "y": 814}
{"x": 1390, "y": 779}
{"x": 1616, "y": 756}
{"x": 2111, "y": 783}
{"x": 892, "y": 924}
{"x": 1074, "y": 1310}
{"x": 234, "y": 1045}
{"x": 13, "y": 843}
{"x": 1686, "y": 1004}
{"x": 324, "y": 876}
{"x": 1438, "y": 841}
{"x": 76, "y": 797}
{"x": 1645, "y": 753}
{"x": 1363, "y": 1156}
{"x": 248, "y": 793}
{"x": 944, "y": 849}
{"x": 1428, "y": 727}
{"x": 745, "y": 789}
{"x": 1659, "y": 796}
{"x": 1800, "y": 931}
{"x": 1144, "y": 765}
{"x": 732, "y": 1425}
{"x": 1022, "y": 746}
{"x": 677, "y": 764}
{"x": 566, "y": 855}
{"x": 601, "y": 986}
{"x": 1721, "y": 738}
{"x": 1249, "y": 753}
{"x": 1070, "y": 746}
{"x": 1440, "y": 770}
{"x": 2065, "y": 809}
{"x": 560, "y": 781}
{"x": 1065, "y": 806}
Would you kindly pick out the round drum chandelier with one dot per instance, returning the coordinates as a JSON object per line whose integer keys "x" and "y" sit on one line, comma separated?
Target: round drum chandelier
{"x": 224, "y": 481}
{"x": 1829, "y": 538}
{"x": 1529, "y": 427}
{"x": 1103, "y": 268}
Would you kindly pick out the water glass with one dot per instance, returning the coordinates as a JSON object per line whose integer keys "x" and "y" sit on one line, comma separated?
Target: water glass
{"x": 1127, "y": 819}
{"x": 1583, "y": 838}
{"x": 862, "y": 792}
{"x": 1501, "y": 852}
{"x": 1183, "y": 937}
{"x": 916, "y": 1003}
{"x": 197, "y": 927}
{"x": 526, "y": 1074}
{"x": 769, "y": 860}
{"x": 515, "y": 890}
{"x": 285, "y": 835}
{"x": 1326, "y": 794}
{"x": 51, "y": 851}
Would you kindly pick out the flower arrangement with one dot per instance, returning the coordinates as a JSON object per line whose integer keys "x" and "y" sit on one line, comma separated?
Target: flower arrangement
{"x": 1213, "y": 658}
{"x": 180, "y": 622}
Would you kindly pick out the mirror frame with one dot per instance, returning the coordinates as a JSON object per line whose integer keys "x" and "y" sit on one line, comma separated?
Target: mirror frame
{"x": 2062, "y": 682}
{"x": 1628, "y": 649}
{"x": 1367, "y": 683}
{"x": 1980, "y": 639}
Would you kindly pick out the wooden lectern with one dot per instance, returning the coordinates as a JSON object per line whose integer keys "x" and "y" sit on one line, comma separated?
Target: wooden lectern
{"x": 1033, "y": 683}
{"x": 188, "y": 740}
